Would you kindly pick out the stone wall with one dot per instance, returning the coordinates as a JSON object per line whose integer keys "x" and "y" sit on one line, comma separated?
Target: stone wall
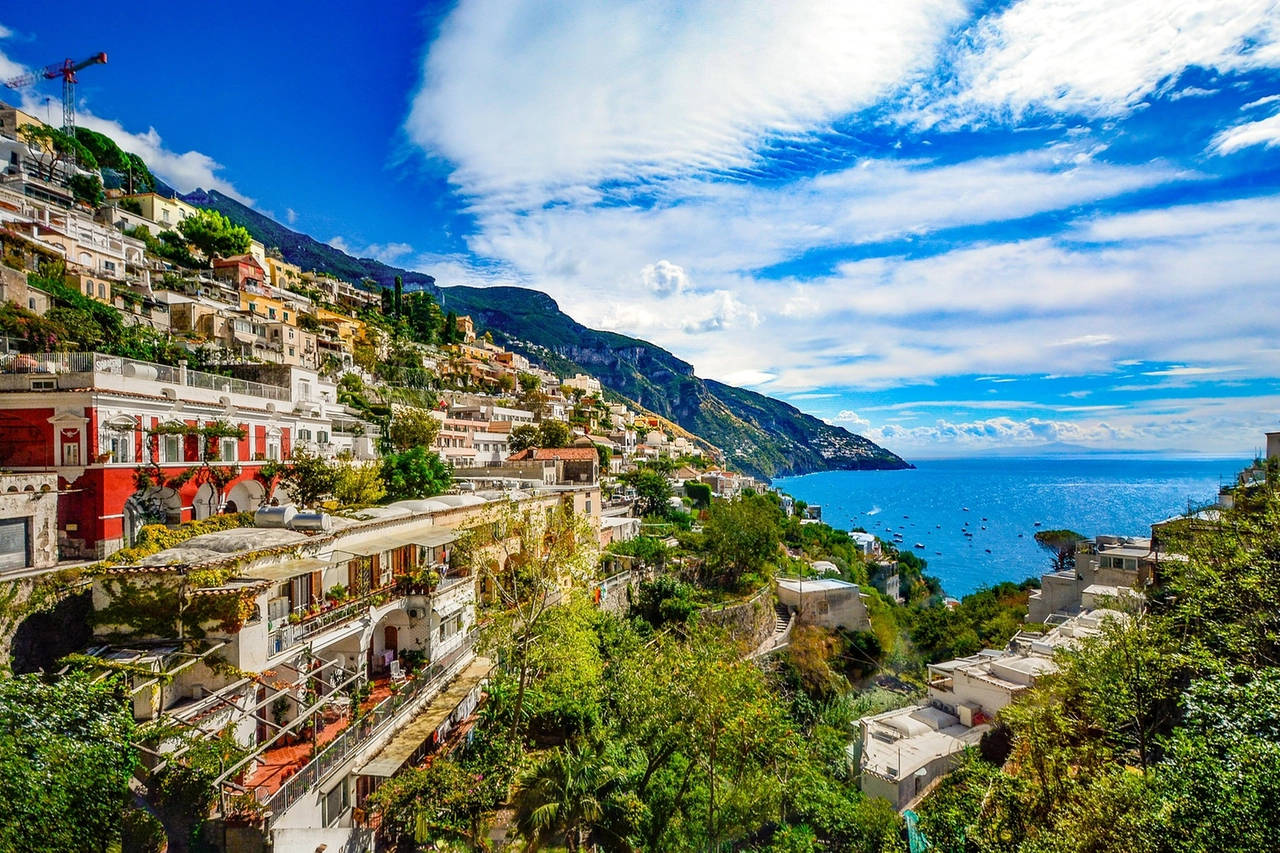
{"x": 749, "y": 623}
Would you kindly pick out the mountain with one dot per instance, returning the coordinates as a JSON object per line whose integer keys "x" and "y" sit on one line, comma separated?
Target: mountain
{"x": 305, "y": 251}
{"x": 759, "y": 435}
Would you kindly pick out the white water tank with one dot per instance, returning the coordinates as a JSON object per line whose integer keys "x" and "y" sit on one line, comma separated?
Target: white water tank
{"x": 274, "y": 516}
{"x": 311, "y": 522}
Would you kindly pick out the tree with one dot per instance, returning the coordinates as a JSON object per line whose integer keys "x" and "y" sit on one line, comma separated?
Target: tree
{"x": 399, "y": 305}
{"x": 554, "y": 434}
{"x": 86, "y": 188}
{"x": 1061, "y": 545}
{"x": 569, "y": 793}
{"x": 214, "y": 234}
{"x": 54, "y": 150}
{"x": 417, "y": 473}
{"x": 653, "y": 492}
{"x": 742, "y": 535}
{"x": 529, "y": 558}
{"x": 412, "y": 427}
{"x": 357, "y": 484}
{"x": 699, "y": 493}
{"x": 134, "y": 175}
{"x": 523, "y": 436}
{"x": 65, "y": 762}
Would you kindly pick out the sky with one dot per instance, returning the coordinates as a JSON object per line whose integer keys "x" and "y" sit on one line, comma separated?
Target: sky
{"x": 956, "y": 228}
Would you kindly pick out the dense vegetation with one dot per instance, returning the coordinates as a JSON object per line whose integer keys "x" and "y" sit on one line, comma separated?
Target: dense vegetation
{"x": 1161, "y": 734}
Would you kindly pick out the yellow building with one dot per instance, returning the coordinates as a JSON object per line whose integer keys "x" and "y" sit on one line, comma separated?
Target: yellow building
{"x": 91, "y": 285}
{"x": 350, "y": 330}
{"x": 268, "y": 309}
{"x": 165, "y": 212}
{"x": 12, "y": 118}
{"x": 281, "y": 274}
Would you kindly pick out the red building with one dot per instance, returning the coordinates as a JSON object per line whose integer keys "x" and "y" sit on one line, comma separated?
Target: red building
{"x": 108, "y": 425}
{"x": 243, "y": 271}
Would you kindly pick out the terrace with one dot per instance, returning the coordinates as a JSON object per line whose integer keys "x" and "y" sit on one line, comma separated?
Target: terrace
{"x": 76, "y": 370}
{"x": 284, "y": 772}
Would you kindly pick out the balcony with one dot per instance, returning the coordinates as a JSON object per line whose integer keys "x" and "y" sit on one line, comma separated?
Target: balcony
{"x": 76, "y": 364}
{"x": 283, "y": 637}
{"x": 359, "y": 733}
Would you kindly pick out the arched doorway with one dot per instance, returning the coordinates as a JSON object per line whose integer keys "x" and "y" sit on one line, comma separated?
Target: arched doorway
{"x": 205, "y": 503}
{"x": 391, "y": 638}
{"x": 245, "y": 496}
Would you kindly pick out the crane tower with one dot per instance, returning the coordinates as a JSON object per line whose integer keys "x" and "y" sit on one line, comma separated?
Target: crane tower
{"x": 67, "y": 71}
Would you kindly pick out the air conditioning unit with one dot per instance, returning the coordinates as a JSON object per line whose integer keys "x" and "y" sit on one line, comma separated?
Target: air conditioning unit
{"x": 417, "y": 613}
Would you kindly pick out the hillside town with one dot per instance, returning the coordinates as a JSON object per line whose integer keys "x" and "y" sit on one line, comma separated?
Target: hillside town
{"x": 339, "y": 572}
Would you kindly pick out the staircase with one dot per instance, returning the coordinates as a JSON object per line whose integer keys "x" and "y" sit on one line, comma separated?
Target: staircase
{"x": 784, "y": 618}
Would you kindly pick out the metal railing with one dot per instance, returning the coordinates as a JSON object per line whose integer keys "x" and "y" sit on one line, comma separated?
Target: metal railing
{"x": 112, "y": 365}
{"x": 288, "y": 635}
{"x": 357, "y": 735}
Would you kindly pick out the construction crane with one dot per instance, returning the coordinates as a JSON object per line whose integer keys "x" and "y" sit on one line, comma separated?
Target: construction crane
{"x": 67, "y": 71}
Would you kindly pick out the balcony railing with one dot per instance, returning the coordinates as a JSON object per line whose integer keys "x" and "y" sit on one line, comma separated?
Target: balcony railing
{"x": 289, "y": 635}
{"x": 338, "y": 751}
{"x": 111, "y": 365}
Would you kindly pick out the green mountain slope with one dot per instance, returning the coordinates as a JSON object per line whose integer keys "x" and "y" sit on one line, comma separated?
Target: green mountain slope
{"x": 305, "y": 251}
{"x": 759, "y": 435}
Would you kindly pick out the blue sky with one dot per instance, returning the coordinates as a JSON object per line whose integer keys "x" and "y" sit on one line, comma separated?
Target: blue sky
{"x": 953, "y": 227}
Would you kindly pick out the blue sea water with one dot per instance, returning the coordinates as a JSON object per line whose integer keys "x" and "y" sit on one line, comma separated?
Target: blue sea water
{"x": 1005, "y": 497}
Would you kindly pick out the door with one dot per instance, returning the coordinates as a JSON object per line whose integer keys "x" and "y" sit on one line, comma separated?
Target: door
{"x": 391, "y": 638}
{"x": 14, "y": 547}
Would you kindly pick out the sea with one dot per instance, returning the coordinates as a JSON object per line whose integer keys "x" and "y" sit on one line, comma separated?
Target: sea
{"x": 1003, "y": 501}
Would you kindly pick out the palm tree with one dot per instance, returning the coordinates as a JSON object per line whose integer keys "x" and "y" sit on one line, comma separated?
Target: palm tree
{"x": 568, "y": 793}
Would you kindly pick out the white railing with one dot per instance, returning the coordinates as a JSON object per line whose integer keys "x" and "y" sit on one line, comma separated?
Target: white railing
{"x": 112, "y": 365}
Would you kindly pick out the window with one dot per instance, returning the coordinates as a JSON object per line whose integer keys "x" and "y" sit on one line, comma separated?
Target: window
{"x": 304, "y": 434}
{"x": 102, "y": 291}
{"x": 117, "y": 442}
{"x": 322, "y": 437}
{"x": 171, "y": 448}
{"x": 291, "y": 351}
{"x": 229, "y": 451}
{"x": 336, "y": 803}
{"x": 273, "y": 449}
{"x": 31, "y": 303}
{"x": 71, "y": 454}
{"x": 253, "y": 307}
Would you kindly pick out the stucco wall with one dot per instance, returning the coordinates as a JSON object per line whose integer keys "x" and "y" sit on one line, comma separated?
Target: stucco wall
{"x": 34, "y": 497}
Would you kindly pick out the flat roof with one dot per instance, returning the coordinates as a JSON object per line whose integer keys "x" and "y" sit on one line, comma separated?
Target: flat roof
{"x": 816, "y": 585}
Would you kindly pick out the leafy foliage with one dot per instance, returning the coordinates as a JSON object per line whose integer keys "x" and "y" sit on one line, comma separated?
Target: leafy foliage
{"x": 65, "y": 761}
{"x": 412, "y": 427}
{"x": 416, "y": 473}
{"x": 214, "y": 234}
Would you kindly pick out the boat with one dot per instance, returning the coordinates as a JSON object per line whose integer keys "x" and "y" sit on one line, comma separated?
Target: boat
{"x": 988, "y": 550}
{"x": 966, "y": 509}
{"x": 1037, "y": 524}
{"x": 919, "y": 545}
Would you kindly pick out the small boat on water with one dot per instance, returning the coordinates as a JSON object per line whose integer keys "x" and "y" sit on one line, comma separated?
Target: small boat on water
{"x": 966, "y": 509}
{"x": 988, "y": 550}
{"x": 1037, "y": 524}
{"x": 919, "y": 545}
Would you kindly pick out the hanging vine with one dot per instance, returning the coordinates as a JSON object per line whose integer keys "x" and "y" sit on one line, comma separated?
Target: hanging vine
{"x": 209, "y": 437}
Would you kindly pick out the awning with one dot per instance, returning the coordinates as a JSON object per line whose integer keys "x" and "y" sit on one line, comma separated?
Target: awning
{"x": 402, "y": 747}
{"x": 430, "y": 538}
{"x": 291, "y": 569}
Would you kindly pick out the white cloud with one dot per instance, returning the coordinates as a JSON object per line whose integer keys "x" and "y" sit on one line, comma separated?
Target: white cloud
{"x": 291, "y": 215}
{"x": 664, "y": 278}
{"x": 852, "y": 420}
{"x": 556, "y": 96}
{"x": 389, "y": 253}
{"x": 746, "y": 378}
{"x": 1265, "y": 132}
{"x": 1103, "y": 58}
